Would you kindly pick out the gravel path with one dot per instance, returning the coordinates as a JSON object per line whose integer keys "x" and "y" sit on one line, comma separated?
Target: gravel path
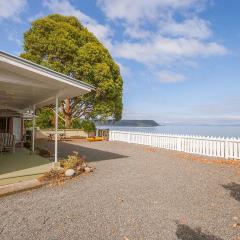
{"x": 135, "y": 193}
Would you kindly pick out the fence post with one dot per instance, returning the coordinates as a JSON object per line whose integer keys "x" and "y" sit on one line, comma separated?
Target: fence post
{"x": 179, "y": 143}
{"x": 129, "y": 137}
{"x": 226, "y": 152}
{"x": 110, "y": 136}
{"x": 150, "y": 140}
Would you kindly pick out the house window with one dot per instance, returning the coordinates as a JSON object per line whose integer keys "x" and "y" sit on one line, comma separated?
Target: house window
{"x": 3, "y": 124}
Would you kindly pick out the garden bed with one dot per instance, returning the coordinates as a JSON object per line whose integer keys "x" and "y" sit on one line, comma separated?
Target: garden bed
{"x": 71, "y": 167}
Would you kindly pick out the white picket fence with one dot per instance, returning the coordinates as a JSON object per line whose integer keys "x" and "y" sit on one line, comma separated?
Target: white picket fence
{"x": 228, "y": 148}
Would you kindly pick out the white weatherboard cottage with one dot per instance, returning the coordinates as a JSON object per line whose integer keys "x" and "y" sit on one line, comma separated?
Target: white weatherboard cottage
{"x": 27, "y": 86}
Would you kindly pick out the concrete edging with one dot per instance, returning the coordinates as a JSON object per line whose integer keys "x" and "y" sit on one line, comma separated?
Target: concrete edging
{"x": 19, "y": 187}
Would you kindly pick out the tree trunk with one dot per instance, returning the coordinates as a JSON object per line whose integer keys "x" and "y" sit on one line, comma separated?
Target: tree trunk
{"x": 67, "y": 113}
{"x": 68, "y": 122}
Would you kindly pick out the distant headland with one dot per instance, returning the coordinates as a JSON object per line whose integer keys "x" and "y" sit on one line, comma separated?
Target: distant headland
{"x": 128, "y": 123}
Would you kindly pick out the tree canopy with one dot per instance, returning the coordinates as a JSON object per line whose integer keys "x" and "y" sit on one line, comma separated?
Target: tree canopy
{"x": 62, "y": 43}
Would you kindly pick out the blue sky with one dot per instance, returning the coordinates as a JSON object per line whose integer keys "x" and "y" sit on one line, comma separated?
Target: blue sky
{"x": 180, "y": 59}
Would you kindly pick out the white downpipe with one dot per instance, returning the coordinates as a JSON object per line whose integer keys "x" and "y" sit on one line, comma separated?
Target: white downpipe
{"x": 56, "y": 131}
{"x": 33, "y": 129}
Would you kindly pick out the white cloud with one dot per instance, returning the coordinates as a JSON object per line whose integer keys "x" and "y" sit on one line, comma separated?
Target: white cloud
{"x": 135, "y": 32}
{"x": 12, "y": 36}
{"x": 134, "y": 10}
{"x": 153, "y": 35}
{"x": 10, "y": 9}
{"x": 103, "y": 32}
{"x": 191, "y": 28}
{"x": 139, "y": 16}
{"x": 169, "y": 77}
{"x": 162, "y": 50}
{"x": 160, "y": 38}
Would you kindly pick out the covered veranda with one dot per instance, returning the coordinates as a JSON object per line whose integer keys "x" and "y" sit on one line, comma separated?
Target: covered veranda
{"x": 22, "y": 165}
{"x": 26, "y": 86}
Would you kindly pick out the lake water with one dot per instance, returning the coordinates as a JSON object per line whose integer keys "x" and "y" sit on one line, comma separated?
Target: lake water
{"x": 215, "y": 131}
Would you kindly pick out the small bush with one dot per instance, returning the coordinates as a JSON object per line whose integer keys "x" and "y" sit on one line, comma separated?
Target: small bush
{"x": 76, "y": 124}
{"x": 88, "y": 125}
{"x": 85, "y": 125}
{"x": 54, "y": 175}
{"x": 57, "y": 176}
{"x": 72, "y": 162}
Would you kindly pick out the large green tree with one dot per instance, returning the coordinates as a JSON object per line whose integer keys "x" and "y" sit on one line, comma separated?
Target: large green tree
{"x": 62, "y": 43}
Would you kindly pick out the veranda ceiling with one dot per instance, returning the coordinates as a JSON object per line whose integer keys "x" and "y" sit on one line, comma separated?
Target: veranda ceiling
{"x": 24, "y": 84}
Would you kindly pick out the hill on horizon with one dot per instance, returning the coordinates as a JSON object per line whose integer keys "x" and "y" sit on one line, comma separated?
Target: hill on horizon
{"x": 128, "y": 123}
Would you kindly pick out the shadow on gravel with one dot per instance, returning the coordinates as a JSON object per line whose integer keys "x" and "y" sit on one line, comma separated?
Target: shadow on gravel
{"x": 234, "y": 189}
{"x": 184, "y": 232}
{"x": 92, "y": 154}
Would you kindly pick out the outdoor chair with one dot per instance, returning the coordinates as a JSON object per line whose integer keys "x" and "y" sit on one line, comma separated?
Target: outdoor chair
{"x": 7, "y": 142}
{"x": 50, "y": 136}
{"x": 62, "y": 136}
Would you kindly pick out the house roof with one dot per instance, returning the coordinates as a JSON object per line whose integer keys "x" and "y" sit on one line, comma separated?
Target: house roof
{"x": 24, "y": 84}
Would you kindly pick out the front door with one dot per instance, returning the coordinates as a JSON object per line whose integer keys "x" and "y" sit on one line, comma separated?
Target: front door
{"x": 17, "y": 128}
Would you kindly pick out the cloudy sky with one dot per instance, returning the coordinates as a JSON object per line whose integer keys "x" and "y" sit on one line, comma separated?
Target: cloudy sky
{"x": 180, "y": 59}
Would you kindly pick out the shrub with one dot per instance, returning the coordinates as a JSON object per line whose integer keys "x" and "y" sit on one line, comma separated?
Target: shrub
{"x": 72, "y": 162}
{"x": 54, "y": 175}
{"x": 76, "y": 124}
{"x": 45, "y": 118}
{"x": 88, "y": 125}
{"x": 85, "y": 125}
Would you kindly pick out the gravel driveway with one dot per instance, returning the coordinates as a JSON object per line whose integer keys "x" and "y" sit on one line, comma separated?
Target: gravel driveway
{"x": 135, "y": 193}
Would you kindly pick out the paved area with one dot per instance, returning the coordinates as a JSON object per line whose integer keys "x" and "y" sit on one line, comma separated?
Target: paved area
{"x": 135, "y": 193}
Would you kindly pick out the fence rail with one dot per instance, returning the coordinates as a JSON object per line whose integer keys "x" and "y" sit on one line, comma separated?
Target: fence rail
{"x": 228, "y": 148}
